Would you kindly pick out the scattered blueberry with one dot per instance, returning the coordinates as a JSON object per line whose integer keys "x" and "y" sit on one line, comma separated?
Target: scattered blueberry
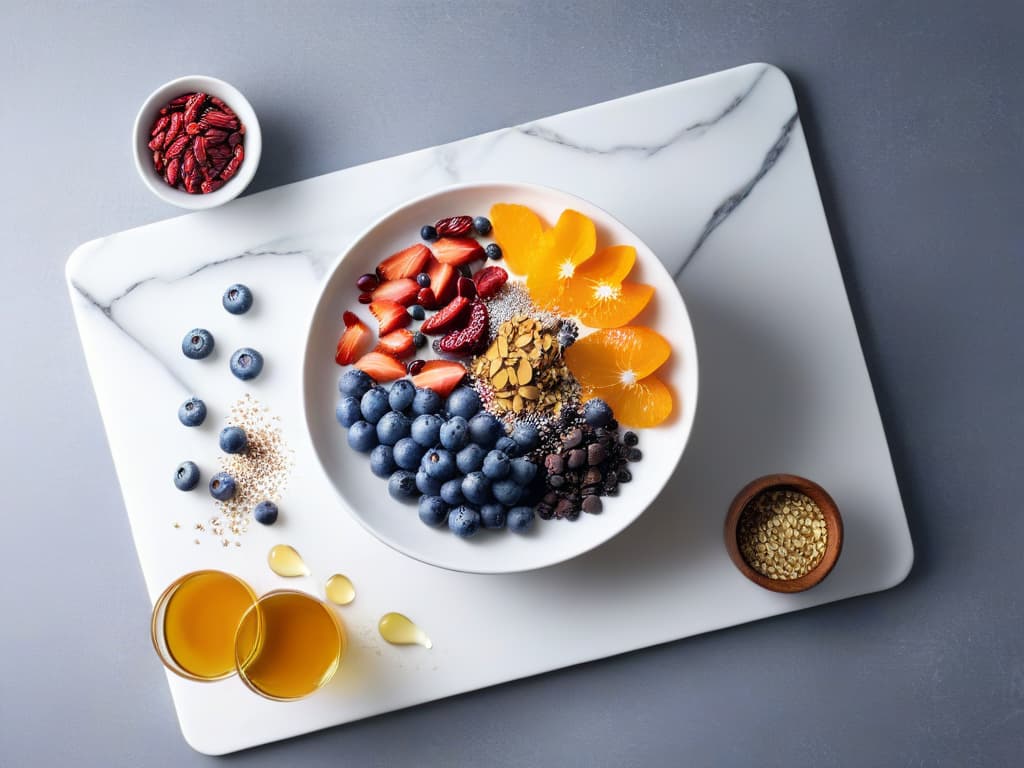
{"x": 597, "y": 412}
{"x": 440, "y": 464}
{"x": 233, "y": 440}
{"x": 451, "y": 491}
{"x": 464, "y": 402}
{"x": 374, "y": 404}
{"x": 347, "y": 411}
{"x": 520, "y": 519}
{"x": 493, "y": 251}
{"x": 186, "y": 476}
{"x": 485, "y": 430}
{"x": 567, "y": 333}
{"x": 402, "y": 485}
{"x": 508, "y": 446}
{"x": 192, "y": 412}
{"x": 497, "y": 465}
{"x": 419, "y": 340}
{"x": 492, "y": 516}
{"x": 476, "y": 488}
{"x": 526, "y": 435}
{"x": 417, "y": 312}
{"x": 392, "y": 427}
{"x": 362, "y": 437}
{"x": 423, "y": 280}
{"x": 408, "y": 453}
{"x": 506, "y": 491}
{"x": 237, "y": 299}
{"x": 634, "y": 454}
{"x": 354, "y": 382}
{"x": 433, "y": 510}
{"x": 401, "y": 394}
{"x": 222, "y": 486}
{"x": 426, "y": 401}
{"x": 463, "y": 521}
{"x": 428, "y": 233}
{"x": 197, "y": 344}
{"x": 246, "y": 363}
{"x": 427, "y": 484}
{"x": 470, "y": 458}
{"x": 455, "y": 433}
{"x": 265, "y": 512}
{"x": 482, "y": 225}
{"x": 426, "y": 429}
{"x": 382, "y": 461}
{"x": 523, "y": 471}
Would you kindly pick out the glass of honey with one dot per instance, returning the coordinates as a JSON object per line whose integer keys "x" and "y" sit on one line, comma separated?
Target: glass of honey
{"x": 195, "y": 621}
{"x": 288, "y": 645}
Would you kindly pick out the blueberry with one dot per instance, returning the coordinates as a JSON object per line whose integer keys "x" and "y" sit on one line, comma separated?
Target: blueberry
{"x": 440, "y": 464}
{"x": 597, "y": 412}
{"x": 426, "y": 401}
{"x": 428, "y": 233}
{"x": 402, "y": 485}
{"x": 523, "y": 471}
{"x": 508, "y": 446}
{"x": 392, "y": 427}
{"x": 417, "y": 312}
{"x": 197, "y": 344}
{"x": 401, "y": 394}
{"x": 526, "y": 435}
{"x": 482, "y": 225}
{"x": 497, "y": 465}
{"x": 493, "y": 251}
{"x": 463, "y": 521}
{"x": 382, "y": 461}
{"x": 520, "y": 519}
{"x": 464, "y": 402}
{"x": 476, "y": 488}
{"x": 426, "y": 429}
{"x": 427, "y": 484}
{"x": 192, "y": 412}
{"x": 492, "y": 515}
{"x": 455, "y": 434}
{"x": 233, "y": 440}
{"x": 374, "y": 404}
{"x": 246, "y": 363}
{"x": 419, "y": 340}
{"x": 347, "y": 411}
{"x": 186, "y": 476}
{"x": 451, "y": 491}
{"x": 485, "y": 430}
{"x": 470, "y": 458}
{"x": 222, "y": 486}
{"x": 362, "y": 437}
{"x": 433, "y": 510}
{"x": 265, "y": 512}
{"x": 408, "y": 453}
{"x": 506, "y": 491}
{"x": 423, "y": 280}
{"x": 237, "y": 299}
{"x": 354, "y": 382}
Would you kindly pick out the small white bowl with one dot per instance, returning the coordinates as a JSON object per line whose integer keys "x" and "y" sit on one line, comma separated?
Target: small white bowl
{"x": 211, "y": 86}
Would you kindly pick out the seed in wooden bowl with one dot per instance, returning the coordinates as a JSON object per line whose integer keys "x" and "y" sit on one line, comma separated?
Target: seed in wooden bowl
{"x": 782, "y": 534}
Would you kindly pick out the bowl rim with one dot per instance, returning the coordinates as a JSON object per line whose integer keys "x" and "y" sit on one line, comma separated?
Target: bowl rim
{"x": 307, "y": 370}
{"x": 253, "y": 142}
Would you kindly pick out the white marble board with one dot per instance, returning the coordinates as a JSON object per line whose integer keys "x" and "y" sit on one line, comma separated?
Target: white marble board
{"x": 714, "y": 175}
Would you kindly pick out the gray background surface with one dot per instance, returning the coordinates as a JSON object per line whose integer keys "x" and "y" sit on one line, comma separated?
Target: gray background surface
{"x": 913, "y": 113}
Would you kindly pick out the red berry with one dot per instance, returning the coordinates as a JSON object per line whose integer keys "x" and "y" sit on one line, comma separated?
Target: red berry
{"x": 415, "y": 366}
{"x": 367, "y": 283}
{"x": 365, "y": 298}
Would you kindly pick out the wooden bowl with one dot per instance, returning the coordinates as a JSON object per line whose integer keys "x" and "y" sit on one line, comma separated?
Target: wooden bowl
{"x": 833, "y": 528}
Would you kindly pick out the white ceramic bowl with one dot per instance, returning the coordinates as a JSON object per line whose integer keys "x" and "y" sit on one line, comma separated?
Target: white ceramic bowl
{"x": 549, "y": 541}
{"x": 147, "y": 115}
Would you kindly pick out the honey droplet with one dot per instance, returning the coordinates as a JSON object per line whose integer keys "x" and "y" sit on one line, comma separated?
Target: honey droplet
{"x": 285, "y": 561}
{"x": 339, "y": 590}
{"x": 399, "y": 630}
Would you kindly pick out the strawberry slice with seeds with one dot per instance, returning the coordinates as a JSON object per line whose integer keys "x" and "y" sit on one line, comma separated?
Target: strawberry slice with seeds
{"x": 426, "y": 299}
{"x": 398, "y": 344}
{"x": 442, "y": 376}
{"x": 353, "y": 341}
{"x": 448, "y": 318}
{"x": 489, "y": 281}
{"x": 472, "y": 338}
{"x": 390, "y": 315}
{"x": 408, "y": 262}
{"x": 443, "y": 279}
{"x": 403, "y": 291}
{"x": 457, "y": 250}
{"x": 380, "y": 367}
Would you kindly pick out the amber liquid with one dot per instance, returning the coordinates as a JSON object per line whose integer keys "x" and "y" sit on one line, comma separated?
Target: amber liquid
{"x": 200, "y": 621}
{"x": 289, "y": 645}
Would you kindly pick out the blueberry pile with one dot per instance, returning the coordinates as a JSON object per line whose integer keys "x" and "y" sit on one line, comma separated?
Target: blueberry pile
{"x": 451, "y": 455}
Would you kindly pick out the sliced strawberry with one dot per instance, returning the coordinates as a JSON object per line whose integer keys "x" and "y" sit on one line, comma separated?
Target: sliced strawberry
{"x": 380, "y": 367}
{"x": 457, "y": 250}
{"x": 353, "y": 341}
{"x": 403, "y": 291}
{"x": 443, "y": 279}
{"x": 390, "y": 315}
{"x": 398, "y": 344}
{"x": 472, "y": 338}
{"x": 426, "y": 299}
{"x": 408, "y": 262}
{"x": 489, "y": 281}
{"x": 442, "y": 376}
{"x": 448, "y": 318}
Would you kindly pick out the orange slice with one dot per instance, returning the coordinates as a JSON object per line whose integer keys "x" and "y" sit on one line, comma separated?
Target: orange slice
{"x": 645, "y": 404}
{"x": 615, "y": 305}
{"x": 570, "y": 243}
{"x": 518, "y": 231}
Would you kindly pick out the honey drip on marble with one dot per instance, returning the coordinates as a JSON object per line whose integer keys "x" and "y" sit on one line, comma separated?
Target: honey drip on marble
{"x": 400, "y": 630}
{"x": 339, "y": 589}
{"x": 285, "y": 561}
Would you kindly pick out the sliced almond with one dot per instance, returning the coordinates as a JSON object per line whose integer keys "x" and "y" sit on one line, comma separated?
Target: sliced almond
{"x": 524, "y": 372}
{"x": 502, "y": 344}
{"x": 512, "y": 378}
{"x": 517, "y": 403}
{"x": 500, "y": 379}
{"x": 494, "y": 366}
{"x": 530, "y": 392}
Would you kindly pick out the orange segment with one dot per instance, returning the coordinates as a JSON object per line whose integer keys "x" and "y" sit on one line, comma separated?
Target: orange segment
{"x": 595, "y": 278}
{"x": 560, "y": 251}
{"x": 644, "y": 404}
{"x": 611, "y": 264}
{"x": 614, "y": 305}
{"x": 518, "y": 231}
